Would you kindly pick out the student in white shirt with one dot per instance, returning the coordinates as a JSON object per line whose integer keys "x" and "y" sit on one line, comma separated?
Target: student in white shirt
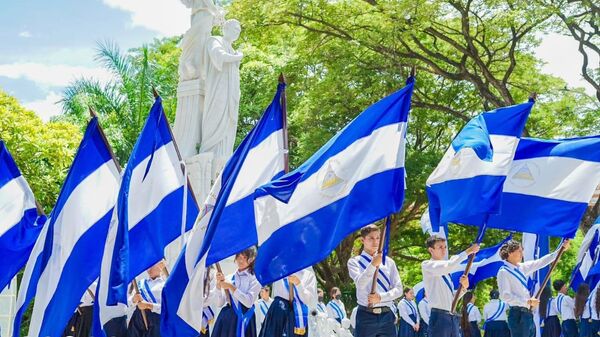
{"x": 583, "y": 310}
{"x": 549, "y": 314}
{"x": 149, "y": 300}
{"x": 336, "y": 308}
{"x": 439, "y": 287}
{"x": 236, "y": 296}
{"x": 290, "y": 318}
{"x": 262, "y": 306}
{"x": 512, "y": 284}
{"x": 409, "y": 315}
{"x": 375, "y": 314}
{"x": 494, "y": 314}
{"x": 321, "y": 306}
{"x": 566, "y": 308}
{"x": 424, "y": 313}
{"x": 470, "y": 316}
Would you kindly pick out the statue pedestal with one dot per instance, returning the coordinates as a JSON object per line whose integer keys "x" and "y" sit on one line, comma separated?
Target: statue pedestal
{"x": 188, "y": 118}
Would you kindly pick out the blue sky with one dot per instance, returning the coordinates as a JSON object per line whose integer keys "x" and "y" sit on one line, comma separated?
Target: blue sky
{"x": 46, "y": 44}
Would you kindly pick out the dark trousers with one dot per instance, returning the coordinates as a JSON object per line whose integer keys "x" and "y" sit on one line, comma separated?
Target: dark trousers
{"x": 443, "y": 324}
{"x": 136, "y": 325}
{"x": 520, "y": 322}
{"x": 369, "y": 324}
{"x": 569, "y": 328}
{"x": 116, "y": 327}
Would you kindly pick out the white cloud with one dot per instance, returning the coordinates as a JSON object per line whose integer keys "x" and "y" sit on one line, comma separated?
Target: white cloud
{"x": 47, "y": 107}
{"x": 562, "y": 59}
{"x": 25, "y": 34}
{"x": 167, "y": 17}
{"x": 46, "y": 75}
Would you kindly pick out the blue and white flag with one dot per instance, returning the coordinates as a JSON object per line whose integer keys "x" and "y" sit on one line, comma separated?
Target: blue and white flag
{"x": 72, "y": 252}
{"x": 549, "y": 186}
{"x": 419, "y": 290}
{"x": 535, "y": 247}
{"x": 29, "y": 281}
{"x": 587, "y": 259}
{"x": 487, "y": 263}
{"x": 226, "y": 225}
{"x": 468, "y": 180}
{"x": 19, "y": 223}
{"x": 148, "y": 215}
{"x": 355, "y": 179}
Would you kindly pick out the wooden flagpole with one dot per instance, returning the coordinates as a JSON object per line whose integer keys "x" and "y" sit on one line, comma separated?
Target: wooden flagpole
{"x": 560, "y": 253}
{"x": 379, "y": 251}
{"x": 114, "y": 158}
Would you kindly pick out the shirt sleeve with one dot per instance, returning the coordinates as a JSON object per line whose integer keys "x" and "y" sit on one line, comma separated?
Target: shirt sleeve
{"x": 396, "y": 290}
{"x": 248, "y": 297}
{"x": 156, "y": 308}
{"x": 444, "y": 267}
{"x": 307, "y": 289}
{"x": 361, "y": 278}
{"x": 529, "y": 267}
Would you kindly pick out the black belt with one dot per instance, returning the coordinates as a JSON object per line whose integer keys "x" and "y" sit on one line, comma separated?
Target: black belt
{"x": 375, "y": 310}
{"x": 442, "y": 311}
{"x": 521, "y": 309}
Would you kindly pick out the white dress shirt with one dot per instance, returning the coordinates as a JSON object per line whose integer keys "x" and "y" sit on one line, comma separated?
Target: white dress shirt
{"x": 590, "y": 306}
{"x": 307, "y": 289}
{"x": 336, "y": 309}
{"x": 495, "y": 310}
{"x": 407, "y": 308}
{"x": 566, "y": 306}
{"x": 260, "y": 310}
{"x": 551, "y": 308}
{"x": 246, "y": 292}
{"x": 424, "y": 310}
{"x": 151, "y": 291}
{"x": 512, "y": 280}
{"x": 438, "y": 284}
{"x": 473, "y": 312}
{"x": 322, "y": 307}
{"x": 389, "y": 285}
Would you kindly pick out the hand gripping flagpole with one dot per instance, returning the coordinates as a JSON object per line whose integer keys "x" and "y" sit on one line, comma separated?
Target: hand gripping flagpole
{"x": 114, "y": 158}
{"x": 379, "y": 251}
{"x": 480, "y": 235}
{"x": 561, "y": 251}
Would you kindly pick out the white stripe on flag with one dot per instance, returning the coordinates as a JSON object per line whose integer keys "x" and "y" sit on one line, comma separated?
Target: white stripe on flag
{"x": 367, "y": 155}
{"x": 15, "y": 198}
{"x": 468, "y": 165}
{"x": 145, "y": 197}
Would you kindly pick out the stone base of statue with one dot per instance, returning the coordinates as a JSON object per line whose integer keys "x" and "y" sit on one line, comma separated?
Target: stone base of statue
{"x": 188, "y": 119}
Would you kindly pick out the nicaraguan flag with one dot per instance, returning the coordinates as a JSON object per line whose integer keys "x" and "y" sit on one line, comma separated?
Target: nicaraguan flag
{"x": 19, "y": 223}
{"x": 587, "y": 258}
{"x": 468, "y": 180}
{"x": 72, "y": 252}
{"x": 226, "y": 226}
{"x": 148, "y": 215}
{"x": 487, "y": 263}
{"x": 549, "y": 186}
{"x": 29, "y": 281}
{"x": 355, "y": 179}
{"x": 419, "y": 290}
{"x": 535, "y": 247}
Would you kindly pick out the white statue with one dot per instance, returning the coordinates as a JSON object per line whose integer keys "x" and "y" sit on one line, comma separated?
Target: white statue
{"x": 205, "y": 15}
{"x": 222, "y": 94}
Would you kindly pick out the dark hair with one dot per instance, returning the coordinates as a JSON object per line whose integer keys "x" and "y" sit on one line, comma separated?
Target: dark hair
{"x": 321, "y": 290}
{"x": 581, "y": 296}
{"x": 406, "y": 291}
{"x": 494, "y": 294}
{"x": 509, "y": 247}
{"x": 544, "y": 298}
{"x": 558, "y": 285}
{"x": 333, "y": 291}
{"x": 432, "y": 240}
{"x": 464, "y": 319}
{"x": 368, "y": 229}
{"x": 250, "y": 254}
{"x": 267, "y": 288}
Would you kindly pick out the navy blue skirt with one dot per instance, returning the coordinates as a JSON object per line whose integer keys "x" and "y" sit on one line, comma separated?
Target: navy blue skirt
{"x": 137, "y": 328}
{"x": 569, "y": 328}
{"x": 226, "y": 324}
{"x": 496, "y": 329}
{"x": 406, "y": 330}
{"x": 475, "y": 332}
{"x": 551, "y": 327}
{"x": 280, "y": 320}
{"x": 587, "y": 328}
{"x": 423, "y": 328}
